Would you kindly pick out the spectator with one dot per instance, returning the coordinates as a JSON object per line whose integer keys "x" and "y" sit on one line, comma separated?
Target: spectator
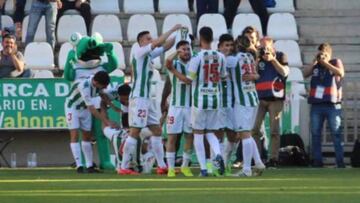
{"x": 2, "y": 6}
{"x": 38, "y": 9}
{"x": 206, "y": 6}
{"x": 258, "y": 6}
{"x": 83, "y": 6}
{"x": 11, "y": 60}
{"x": 325, "y": 98}
{"x": 19, "y": 17}
{"x": 273, "y": 71}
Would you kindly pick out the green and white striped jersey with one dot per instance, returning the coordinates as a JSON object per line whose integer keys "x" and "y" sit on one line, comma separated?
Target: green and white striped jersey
{"x": 206, "y": 70}
{"x": 143, "y": 70}
{"x": 81, "y": 94}
{"x": 227, "y": 86}
{"x": 244, "y": 91}
{"x": 83, "y": 70}
{"x": 180, "y": 92}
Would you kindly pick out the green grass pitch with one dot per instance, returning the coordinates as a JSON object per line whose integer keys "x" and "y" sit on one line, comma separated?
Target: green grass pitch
{"x": 292, "y": 185}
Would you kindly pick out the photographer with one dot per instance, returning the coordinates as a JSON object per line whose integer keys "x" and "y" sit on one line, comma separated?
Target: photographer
{"x": 273, "y": 71}
{"x": 325, "y": 98}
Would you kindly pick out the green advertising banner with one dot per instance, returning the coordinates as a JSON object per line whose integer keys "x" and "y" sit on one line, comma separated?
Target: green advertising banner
{"x": 35, "y": 103}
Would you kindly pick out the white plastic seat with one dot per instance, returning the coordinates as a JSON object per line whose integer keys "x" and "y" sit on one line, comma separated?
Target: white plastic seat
{"x": 169, "y": 6}
{"x": 105, "y": 7}
{"x": 43, "y": 74}
{"x": 283, "y": 6}
{"x": 292, "y": 50}
{"x": 215, "y": 21}
{"x": 138, "y": 23}
{"x": 243, "y": 20}
{"x": 69, "y": 24}
{"x": 39, "y": 56}
{"x": 102, "y": 23}
{"x": 139, "y": 6}
{"x": 156, "y": 61}
{"x": 173, "y": 19}
{"x": 40, "y": 34}
{"x": 119, "y": 51}
{"x": 63, "y": 53}
{"x": 245, "y": 7}
{"x": 295, "y": 74}
{"x": 9, "y": 7}
{"x": 282, "y": 26}
{"x": 6, "y": 21}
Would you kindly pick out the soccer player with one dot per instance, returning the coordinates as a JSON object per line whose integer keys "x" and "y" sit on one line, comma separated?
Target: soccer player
{"x": 206, "y": 71}
{"x": 178, "y": 119}
{"x": 79, "y": 109}
{"x": 226, "y": 47}
{"x": 141, "y": 112}
{"x": 116, "y": 135}
{"x": 246, "y": 101}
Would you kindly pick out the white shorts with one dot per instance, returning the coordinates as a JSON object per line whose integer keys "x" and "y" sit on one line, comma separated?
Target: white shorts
{"x": 227, "y": 118}
{"x": 142, "y": 113}
{"x": 205, "y": 119}
{"x": 78, "y": 119}
{"x": 244, "y": 117}
{"x": 178, "y": 120}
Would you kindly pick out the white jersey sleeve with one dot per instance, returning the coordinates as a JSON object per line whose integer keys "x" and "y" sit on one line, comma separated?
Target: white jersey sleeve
{"x": 193, "y": 67}
{"x": 142, "y": 51}
{"x": 156, "y": 52}
{"x": 85, "y": 92}
{"x": 223, "y": 72}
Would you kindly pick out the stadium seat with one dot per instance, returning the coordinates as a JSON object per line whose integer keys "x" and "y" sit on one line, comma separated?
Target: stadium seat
{"x": 138, "y": 23}
{"x": 139, "y": 6}
{"x": 40, "y": 35}
{"x": 283, "y": 6}
{"x": 173, "y": 19}
{"x": 43, "y": 74}
{"x": 6, "y": 21}
{"x": 9, "y": 7}
{"x": 102, "y": 23}
{"x": 282, "y": 26}
{"x": 215, "y": 21}
{"x": 295, "y": 74}
{"x": 39, "y": 56}
{"x": 168, "y": 6}
{"x": 156, "y": 61}
{"x": 119, "y": 51}
{"x": 63, "y": 53}
{"x": 117, "y": 73}
{"x": 292, "y": 50}
{"x": 68, "y": 24}
{"x": 105, "y": 7}
{"x": 243, "y": 20}
{"x": 245, "y": 7}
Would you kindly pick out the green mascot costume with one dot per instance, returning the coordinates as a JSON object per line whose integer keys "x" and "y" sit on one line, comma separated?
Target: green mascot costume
{"x": 83, "y": 61}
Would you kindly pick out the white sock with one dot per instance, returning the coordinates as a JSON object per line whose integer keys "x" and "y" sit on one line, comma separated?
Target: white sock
{"x": 129, "y": 151}
{"x": 256, "y": 154}
{"x": 158, "y": 149}
{"x": 76, "y": 152}
{"x": 170, "y": 157}
{"x": 214, "y": 143}
{"x": 186, "y": 159}
{"x": 88, "y": 153}
{"x": 247, "y": 154}
{"x": 229, "y": 148}
{"x": 200, "y": 150}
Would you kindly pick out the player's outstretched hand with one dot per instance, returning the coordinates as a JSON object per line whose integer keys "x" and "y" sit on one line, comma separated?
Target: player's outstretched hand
{"x": 176, "y": 27}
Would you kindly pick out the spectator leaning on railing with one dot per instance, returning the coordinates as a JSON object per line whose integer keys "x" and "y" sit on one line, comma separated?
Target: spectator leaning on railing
{"x": 325, "y": 98}
{"x": 11, "y": 60}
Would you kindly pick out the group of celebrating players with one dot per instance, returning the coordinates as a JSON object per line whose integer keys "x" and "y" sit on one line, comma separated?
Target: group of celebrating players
{"x": 208, "y": 94}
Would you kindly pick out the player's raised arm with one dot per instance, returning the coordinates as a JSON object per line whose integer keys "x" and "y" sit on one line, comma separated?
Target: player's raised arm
{"x": 159, "y": 41}
{"x": 170, "y": 66}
